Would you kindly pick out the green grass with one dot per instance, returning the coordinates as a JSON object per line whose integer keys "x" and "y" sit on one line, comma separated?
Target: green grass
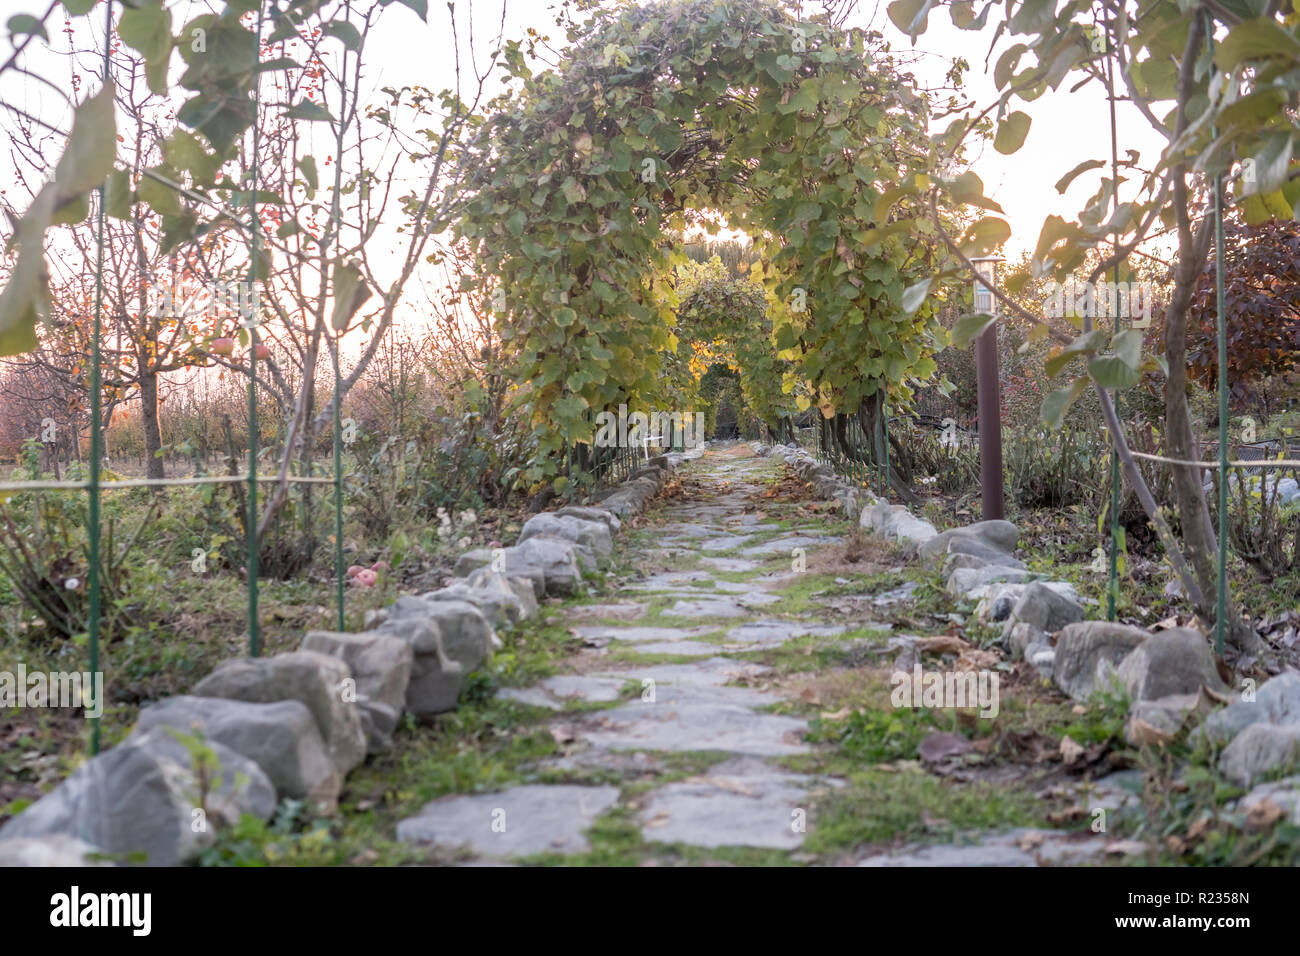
{"x": 879, "y": 808}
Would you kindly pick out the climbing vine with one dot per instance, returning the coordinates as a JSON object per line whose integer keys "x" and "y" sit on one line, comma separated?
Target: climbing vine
{"x": 796, "y": 133}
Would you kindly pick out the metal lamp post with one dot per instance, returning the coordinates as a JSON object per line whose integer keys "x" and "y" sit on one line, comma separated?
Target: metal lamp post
{"x": 988, "y": 391}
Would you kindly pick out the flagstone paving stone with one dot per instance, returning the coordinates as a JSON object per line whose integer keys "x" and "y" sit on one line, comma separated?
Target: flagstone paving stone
{"x": 620, "y": 722}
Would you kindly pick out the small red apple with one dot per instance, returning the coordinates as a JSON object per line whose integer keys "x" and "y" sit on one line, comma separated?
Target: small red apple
{"x": 222, "y": 346}
{"x": 355, "y": 570}
{"x": 261, "y": 352}
{"x": 366, "y": 577}
{"x": 379, "y": 566}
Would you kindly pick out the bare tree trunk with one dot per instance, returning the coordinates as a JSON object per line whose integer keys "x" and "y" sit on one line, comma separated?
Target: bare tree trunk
{"x": 149, "y": 419}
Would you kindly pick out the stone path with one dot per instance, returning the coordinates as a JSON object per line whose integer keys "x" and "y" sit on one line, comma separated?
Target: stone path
{"x": 621, "y": 715}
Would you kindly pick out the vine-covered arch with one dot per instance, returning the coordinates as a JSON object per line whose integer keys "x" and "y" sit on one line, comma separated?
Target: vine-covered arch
{"x": 790, "y": 130}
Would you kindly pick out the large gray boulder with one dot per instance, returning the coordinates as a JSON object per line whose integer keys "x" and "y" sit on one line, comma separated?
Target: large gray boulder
{"x": 1176, "y": 661}
{"x": 282, "y": 738}
{"x": 1259, "y": 750}
{"x": 1277, "y": 701}
{"x": 593, "y": 535}
{"x": 381, "y": 666}
{"x": 144, "y": 796}
{"x": 435, "y": 677}
{"x": 1088, "y": 654}
{"x": 57, "y": 849}
{"x": 318, "y": 681}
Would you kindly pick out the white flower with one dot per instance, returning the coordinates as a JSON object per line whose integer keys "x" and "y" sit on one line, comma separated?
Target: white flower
{"x": 72, "y": 584}
{"x": 464, "y": 542}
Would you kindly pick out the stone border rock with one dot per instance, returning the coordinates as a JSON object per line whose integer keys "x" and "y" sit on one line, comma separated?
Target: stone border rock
{"x": 293, "y": 725}
{"x": 1170, "y": 676}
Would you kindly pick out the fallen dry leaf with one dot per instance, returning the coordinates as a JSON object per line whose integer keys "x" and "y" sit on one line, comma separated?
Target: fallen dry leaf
{"x": 1263, "y": 815}
{"x": 1030, "y": 841}
{"x": 1125, "y": 847}
{"x": 1145, "y": 735}
{"x": 840, "y": 714}
{"x": 563, "y": 733}
{"x": 942, "y": 644}
{"x": 724, "y": 783}
{"x": 1070, "y": 751}
{"x": 940, "y": 746}
{"x": 1070, "y": 815}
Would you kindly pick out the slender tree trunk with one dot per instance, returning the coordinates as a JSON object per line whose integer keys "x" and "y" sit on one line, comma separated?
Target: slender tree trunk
{"x": 149, "y": 419}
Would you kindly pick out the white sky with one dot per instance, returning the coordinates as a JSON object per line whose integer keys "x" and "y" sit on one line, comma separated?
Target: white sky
{"x": 1067, "y": 128}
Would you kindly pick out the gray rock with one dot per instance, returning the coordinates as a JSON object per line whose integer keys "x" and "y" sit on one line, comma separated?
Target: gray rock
{"x": 983, "y": 539}
{"x": 625, "y": 503}
{"x": 515, "y": 565}
{"x": 282, "y": 738}
{"x": 1043, "y": 608}
{"x": 999, "y": 600}
{"x": 1260, "y": 749}
{"x": 722, "y": 809}
{"x": 1176, "y": 661}
{"x": 593, "y": 535}
{"x": 141, "y": 797}
{"x": 559, "y": 560}
{"x": 57, "y": 849}
{"x": 1025, "y": 847}
{"x": 467, "y": 636}
{"x": 688, "y": 716}
{"x": 1021, "y": 635}
{"x": 1043, "y": 657}
{"x": 707, "y": 607}
{"x": 1082, "y": 647}
{"x": 316, "y": 680}
{"x": 592, "y": 514}
{"x": 963, "y": 581}
{"x": 435, "y": 677}
{"x": 502, "y": 586}
{"x": 1277, "y": 701}
{"x": 897, "y": 523}
{"x": 554, "y": 692}
{"x": 521, "y": 821}
{"x": 494, "y": 596}
{"x": 381, "y": 666}
{"x": 380, "y": 663}
{"x": 522, "y": 586}
{"x": 378, "y": 722}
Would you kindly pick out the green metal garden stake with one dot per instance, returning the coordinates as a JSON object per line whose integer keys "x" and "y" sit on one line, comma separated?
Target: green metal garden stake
{"x": 254, "y": 635}
{"x": 96, "y": 439}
